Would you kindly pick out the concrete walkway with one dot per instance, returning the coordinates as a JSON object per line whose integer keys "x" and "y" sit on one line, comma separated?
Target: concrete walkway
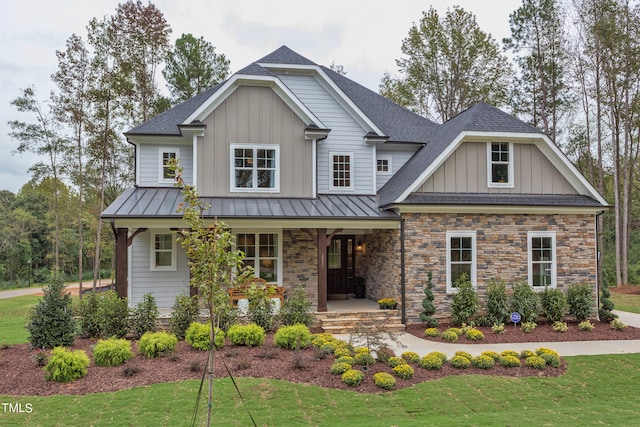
{"x": 37, "y": 289}
{"x": 410, "y": 342}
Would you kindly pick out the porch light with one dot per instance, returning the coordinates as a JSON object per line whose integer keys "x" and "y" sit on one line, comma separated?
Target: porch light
{"x": 360, "y": 247}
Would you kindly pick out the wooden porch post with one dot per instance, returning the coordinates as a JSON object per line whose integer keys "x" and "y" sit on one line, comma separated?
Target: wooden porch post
{"x": 122, "y": 264}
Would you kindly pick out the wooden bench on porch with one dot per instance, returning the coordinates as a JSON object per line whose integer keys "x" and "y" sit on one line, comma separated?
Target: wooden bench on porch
{"x": 242, "y": 291}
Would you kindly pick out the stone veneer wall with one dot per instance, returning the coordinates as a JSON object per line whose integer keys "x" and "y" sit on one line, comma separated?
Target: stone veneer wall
{"x": 380, "y": 264}
{"x": 300, "y": 263}
{"x": 501, "y": 249}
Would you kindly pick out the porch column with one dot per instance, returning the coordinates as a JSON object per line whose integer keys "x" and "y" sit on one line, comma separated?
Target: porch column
{"x": 322, "y": 243}
{"x": 122, "y": 264}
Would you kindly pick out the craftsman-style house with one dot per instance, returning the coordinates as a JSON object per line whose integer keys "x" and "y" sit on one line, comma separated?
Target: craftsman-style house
{"x": 323, "y": 181}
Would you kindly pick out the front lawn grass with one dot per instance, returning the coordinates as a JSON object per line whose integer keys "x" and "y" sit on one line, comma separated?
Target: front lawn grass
{"x": 626, "y": 302}
{"x": 596, "y": 390}
{"x": 13, "y": 319}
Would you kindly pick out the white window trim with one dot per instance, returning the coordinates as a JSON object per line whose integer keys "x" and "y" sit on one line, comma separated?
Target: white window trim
{"x": 473, "y": 278}
{"x": 279, "y": 282}
{"x": 510, "y": 182}
{"x": 152, "y": 257}
{"x": 554, "y": 263}
{"x": 388, "y": 158}
{"x": 352, "y": 163}
{"x": 255, "y": 147}
{"x": 161, "y": 151}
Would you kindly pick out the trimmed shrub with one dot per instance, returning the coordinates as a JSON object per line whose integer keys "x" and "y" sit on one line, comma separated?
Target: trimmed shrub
{"x": 340, "y": 368}
{"x": 153, "y": 344}
{"x": 431, "y": 332}
{"x": 474, "y": 335}
{"x": 525, "y": 301}
{"x": 606, "y": 305}
{"x": 250, "y": 335}
{"x": 342, "y": 351}
{"x": 465, "y": 302}
{"x": 493, "y": 354}
{"x": 404, "y": 371}
{"x": 543, "y": 350}
{"x": 484, "y": 362}
{"x": 395, "y": 361}
{"x": 553, "y": 303}
{"x": 497, "y": 301}
{"x": 450, "y": 336}
{"x": 364, "y": 359}
{"x": 525, "y": 354}
{"x": 198, "y": 335}
{"x": 618, "y": 325}
{"x": 112, "y": 352}
{"x": 319, "y": 340}
{"x": 411, "y": 356}
{"x": 113, "y": 315}
{"x": 581, "y": 301}
{"x": 464, "y": 354}
{"x": 89, "y": 322}
{"x": 586, "y": 325}
{"x": 560, "y": 327}
{"x": 385, "y": 353}
{"x": 183, "y": 313}
{"x": 510, "y": 353}
{"x": 432, "y": 360}
{"x": 51, "y": 321}
{"x": 346, "y": 359}
{"x": 384, "y": 380}
{"x": 144, "y": 317}
{"x": 460, "y": 362}
{"x": 551, "y": 359}
{"x": 296, "y": 309}
{"x": 259, "y": 311}
{"x": 429, "y": 308}
{"x": 498, "y": 328}
{"x": 293, "y": 337}
{"x": 510, "y": 361}
{"x": 352, "y": 377}
{"x": 536, "y": 362}
{"x": 65, "y": 365}
{"x": 457, "y": 331}
{"x": 606, "y": 316}
{"x": 528, "y": 327}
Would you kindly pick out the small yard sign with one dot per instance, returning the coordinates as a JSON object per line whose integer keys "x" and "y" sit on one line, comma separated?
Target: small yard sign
{"x": 515, "y": 318}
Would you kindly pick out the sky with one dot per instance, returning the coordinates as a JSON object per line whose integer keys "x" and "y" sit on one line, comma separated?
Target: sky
{"x": 364, "y": 37}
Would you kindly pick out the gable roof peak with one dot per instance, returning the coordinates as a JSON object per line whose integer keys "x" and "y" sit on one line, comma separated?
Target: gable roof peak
{"x": 284, "y": 55}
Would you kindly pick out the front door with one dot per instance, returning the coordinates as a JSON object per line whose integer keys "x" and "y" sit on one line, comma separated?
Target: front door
{"x": 341, "y": 265}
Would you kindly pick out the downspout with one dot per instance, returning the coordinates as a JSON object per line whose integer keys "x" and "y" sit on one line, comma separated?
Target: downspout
{"x": 402, "y": 275}
{"x": 598, "y": 262}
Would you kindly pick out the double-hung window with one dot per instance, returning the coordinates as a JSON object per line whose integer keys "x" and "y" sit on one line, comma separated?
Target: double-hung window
{"x": 163, "y": 252}
{"x": 461, "y": 257}
{"x": 500, "y": 165}
{"x": 542, "y": 259}
{"x": 262, "y": 252}
{"x": 255, "y": 168}
{"x": 166, "y": 155}
{"x": 341, "y": 171}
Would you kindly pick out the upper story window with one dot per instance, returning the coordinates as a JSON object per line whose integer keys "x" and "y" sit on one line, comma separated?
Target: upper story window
{"x": 461, "y": 257}
{"x": 542, "y": 258}
{"x": 255, "y": 168}
{"x": 166, "y": 155}
{"x": 163, "y": 252}
{"x": 341, "y": 171}
{"x": 383, "y": 165}
{"x": 500, "y": 165}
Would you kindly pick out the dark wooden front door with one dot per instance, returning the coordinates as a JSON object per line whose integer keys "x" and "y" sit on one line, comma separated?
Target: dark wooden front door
{"x": 341, "y": 265}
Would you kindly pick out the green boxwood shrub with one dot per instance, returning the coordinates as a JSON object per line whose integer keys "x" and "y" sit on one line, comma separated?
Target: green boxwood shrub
{"x": 536, "y": 362}
{"x": 352, "y": 377}
{"x": 183, "y": 313}
{"x": 431, "y": 332}
{"x": 112, "y": 352}
{"x": 431, "y": 361}
{"x": 497, "y": 301}
{"x": 404, "y": 371}
{"x": 364, "y": 359}
{"x": 411, "y": 356}
{"x": 426, "y": 316}
{"x": 460, "y": 362}
{"x": 465, "y": 302}
{"x": 510, "y": 361}
{"x": 250, "y": 335}
{"x": 198, "y": 335}
{"x": 153, "y": 344}
{"x": 525, "y": 301}
{"x": 450, "y": 336}
{"x": 293, "y": 337}
{"x": 551, "y": 359}
{"x": 384, "y": 380}
{"x": 484, "y": 362}
{"x": 65, "y": 365}
{"x": 474, "y": 335}
{"x": 553, "y": 303}
{"x": 581, "y": 301}
{"x": 340, "y": 368}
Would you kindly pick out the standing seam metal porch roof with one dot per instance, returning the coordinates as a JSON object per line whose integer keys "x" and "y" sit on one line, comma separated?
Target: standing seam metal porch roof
{"x": 164, "y": 202}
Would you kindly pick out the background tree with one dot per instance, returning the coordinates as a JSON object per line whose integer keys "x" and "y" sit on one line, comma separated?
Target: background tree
{"x": 449, "y": 65}
{"x": 538, "y": 41}
{"x": 193, "y": 66}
